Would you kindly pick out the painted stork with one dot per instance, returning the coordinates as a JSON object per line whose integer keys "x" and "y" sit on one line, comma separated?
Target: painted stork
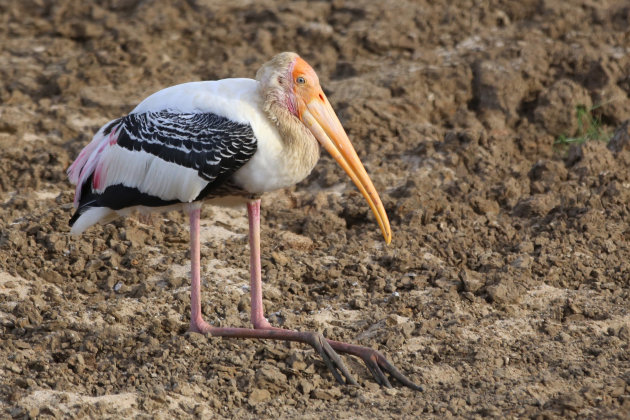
{"x": 225, "y": 142}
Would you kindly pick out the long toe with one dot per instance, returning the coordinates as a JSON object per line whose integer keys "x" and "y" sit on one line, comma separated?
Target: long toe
{"x": 376, "y": 363}
{"x": 331, "y": 358}
{"x": 382, "y": 364}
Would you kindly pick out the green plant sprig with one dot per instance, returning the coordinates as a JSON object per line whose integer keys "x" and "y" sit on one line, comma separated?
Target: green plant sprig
{"x": 590, "y": 128}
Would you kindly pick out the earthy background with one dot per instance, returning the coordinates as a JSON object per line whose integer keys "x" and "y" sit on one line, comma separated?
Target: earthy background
{"x": 505, "y": 291}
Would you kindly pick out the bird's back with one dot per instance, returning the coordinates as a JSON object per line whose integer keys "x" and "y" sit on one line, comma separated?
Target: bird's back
{"x": 236, "y": 99}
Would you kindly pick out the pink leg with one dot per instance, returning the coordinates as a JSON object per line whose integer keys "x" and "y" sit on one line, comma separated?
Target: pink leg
{"x": 255, "y": 284}
{"x": 197, "y": 324}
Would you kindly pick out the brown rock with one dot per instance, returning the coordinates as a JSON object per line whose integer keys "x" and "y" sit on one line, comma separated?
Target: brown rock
{"x": 484, "y": 206}
{"x": 472, "y": 280}
{"x": 258, "y": 395}
{"x": 557, "y": 107}
{"x": 536, "y": 205}
{"x": 621, "y": 138}
{"x": 326, "y": 394}
{"x": 294, "y": 241}
{"x": 498, "y": 88}
{"x": 52, "y": 277}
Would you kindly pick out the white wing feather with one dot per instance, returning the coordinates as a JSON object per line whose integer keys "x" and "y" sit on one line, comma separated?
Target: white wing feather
{"x": 149, "y": 174}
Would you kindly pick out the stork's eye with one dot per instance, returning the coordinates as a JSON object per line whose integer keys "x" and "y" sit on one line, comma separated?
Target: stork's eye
{"x": 300, "y": 80}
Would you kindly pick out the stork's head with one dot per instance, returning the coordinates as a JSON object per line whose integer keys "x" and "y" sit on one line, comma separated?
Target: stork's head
{"x": 293, "y": 84}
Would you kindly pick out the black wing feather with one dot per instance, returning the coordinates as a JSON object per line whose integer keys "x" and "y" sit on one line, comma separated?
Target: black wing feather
{"x": 209, "y": 143}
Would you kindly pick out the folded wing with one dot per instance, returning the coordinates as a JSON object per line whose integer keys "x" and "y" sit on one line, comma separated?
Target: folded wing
{"x": 158, "y": 158}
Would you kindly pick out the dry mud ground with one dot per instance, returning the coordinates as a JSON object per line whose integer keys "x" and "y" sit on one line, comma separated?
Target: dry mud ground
{"x": 505, "y": 291}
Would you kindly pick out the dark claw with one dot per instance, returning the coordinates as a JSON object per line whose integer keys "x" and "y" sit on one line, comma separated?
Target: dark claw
{"x": 331, "y": 358}
{"x": 382, "y": 363}
{"x": 378, "y": 374}
{"x": 376, "y": 364}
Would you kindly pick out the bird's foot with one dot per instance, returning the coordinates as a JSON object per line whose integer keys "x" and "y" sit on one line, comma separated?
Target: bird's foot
{"x": 314, "y": 339}
{"x": 376, "y": 363}
{"x": 374, "y": 360}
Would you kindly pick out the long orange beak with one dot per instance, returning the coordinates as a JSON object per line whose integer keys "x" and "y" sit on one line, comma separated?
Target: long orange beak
{"x": 321, "y": 119}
